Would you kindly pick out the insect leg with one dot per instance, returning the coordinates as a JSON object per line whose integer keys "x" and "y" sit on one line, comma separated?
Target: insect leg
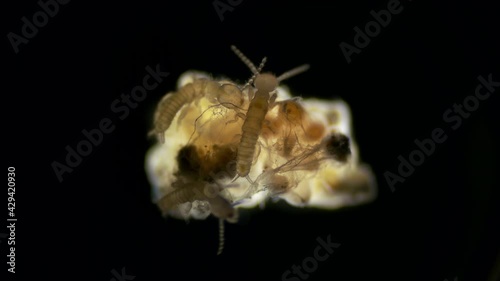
{"x": 272, "y": 100}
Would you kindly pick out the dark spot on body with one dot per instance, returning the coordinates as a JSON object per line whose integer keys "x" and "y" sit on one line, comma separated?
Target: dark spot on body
{"x": 188, "y": 159}
{"x": 203, "y": 164}
{"x": 338, "y": 146}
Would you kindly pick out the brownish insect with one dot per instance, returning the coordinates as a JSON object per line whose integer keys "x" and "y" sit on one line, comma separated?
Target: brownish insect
{"x": 198, "y": 190}
{"x": 266, "y": 84}
{"x": 174, "y": 101}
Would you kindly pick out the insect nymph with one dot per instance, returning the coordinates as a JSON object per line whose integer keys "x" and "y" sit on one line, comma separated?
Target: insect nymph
{"x": 173, "y": 102}
{"x": 224, "y": 146}
{"x": 265, "y": 96}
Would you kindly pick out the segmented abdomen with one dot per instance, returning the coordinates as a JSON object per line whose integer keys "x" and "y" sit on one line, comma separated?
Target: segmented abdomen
{"x": 251, "y": 131}
{"x": 187, "y": 193}
{"x": 173, "y": 102}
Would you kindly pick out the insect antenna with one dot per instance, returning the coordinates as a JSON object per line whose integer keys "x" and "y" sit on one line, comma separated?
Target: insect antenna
{"x": 261, "y": 65}
{"x": 293, "y": 72}
{"x": 221, "y": 236}
{"x": 244, "y": 59}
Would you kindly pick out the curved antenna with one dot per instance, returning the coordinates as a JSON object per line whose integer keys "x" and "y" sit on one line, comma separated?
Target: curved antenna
{"x": 244, "y": 59}
{"x": 293, "y": 72}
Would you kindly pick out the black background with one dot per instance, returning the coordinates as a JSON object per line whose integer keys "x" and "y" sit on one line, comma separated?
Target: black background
{"x": 440, "y": 223}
